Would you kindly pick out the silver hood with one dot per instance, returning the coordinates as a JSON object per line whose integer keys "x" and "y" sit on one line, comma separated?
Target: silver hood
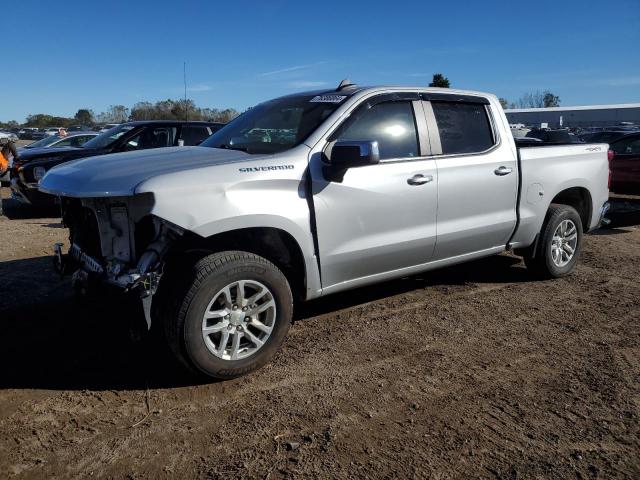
{"x": 118, "y": 174}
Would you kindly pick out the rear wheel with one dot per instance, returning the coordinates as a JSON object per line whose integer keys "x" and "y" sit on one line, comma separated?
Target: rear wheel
{"x": 559, "y": 245}
{"x": 233, "y": 317}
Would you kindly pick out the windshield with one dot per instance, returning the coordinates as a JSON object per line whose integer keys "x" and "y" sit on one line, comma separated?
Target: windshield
{"x": 276, "y": 125}
{"x": 45, "y": 142}
{"x": 109, "y": 137}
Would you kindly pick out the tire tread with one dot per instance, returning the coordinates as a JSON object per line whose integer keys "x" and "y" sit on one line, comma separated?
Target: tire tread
{"x": 174, "y": 320}
{"x": 537, "y": 263}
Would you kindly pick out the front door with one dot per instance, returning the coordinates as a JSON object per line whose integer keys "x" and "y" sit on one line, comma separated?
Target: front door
{"x": 378, "y": 218}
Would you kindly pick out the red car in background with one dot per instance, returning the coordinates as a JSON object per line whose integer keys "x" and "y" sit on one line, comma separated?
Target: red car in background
{"x": 625, "y": 164}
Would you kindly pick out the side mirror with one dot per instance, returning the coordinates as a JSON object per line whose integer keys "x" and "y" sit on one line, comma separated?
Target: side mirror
{"x": 352, "y": 153}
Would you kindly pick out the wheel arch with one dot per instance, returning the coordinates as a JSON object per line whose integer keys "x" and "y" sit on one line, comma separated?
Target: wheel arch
{"x": 275, "y": 244}
{"x": 580, "y": 199}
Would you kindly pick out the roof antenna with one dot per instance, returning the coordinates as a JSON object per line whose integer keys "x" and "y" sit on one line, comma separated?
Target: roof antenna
{"x": 344, "y": 84}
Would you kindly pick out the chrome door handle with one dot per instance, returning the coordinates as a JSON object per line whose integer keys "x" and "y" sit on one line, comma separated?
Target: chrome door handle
{"x": 501, "y": 171}
{"x": 420, "y": 179}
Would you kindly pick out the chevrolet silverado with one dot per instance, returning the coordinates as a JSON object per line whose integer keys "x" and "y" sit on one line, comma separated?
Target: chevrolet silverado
{"x": 316, "y": 193}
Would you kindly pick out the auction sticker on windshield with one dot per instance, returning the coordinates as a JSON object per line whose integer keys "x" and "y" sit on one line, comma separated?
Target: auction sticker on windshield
{"x": 328, "y": 98}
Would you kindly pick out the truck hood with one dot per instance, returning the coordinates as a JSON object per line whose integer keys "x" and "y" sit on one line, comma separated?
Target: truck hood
{"x": 118, "y": 174}
{"x": 30, "y": 154}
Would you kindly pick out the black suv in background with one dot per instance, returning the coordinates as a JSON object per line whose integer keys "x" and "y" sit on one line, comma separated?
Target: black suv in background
{"x": 549, "y": 136}
{"x": 33, "y": 164}
{"x": 608, "y": 136}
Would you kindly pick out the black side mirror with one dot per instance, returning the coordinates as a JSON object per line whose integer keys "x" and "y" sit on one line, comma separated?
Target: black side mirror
{"x": 352, "y": 153}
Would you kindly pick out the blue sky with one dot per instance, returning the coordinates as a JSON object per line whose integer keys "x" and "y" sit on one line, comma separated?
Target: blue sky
{"x": 68, "y": 55}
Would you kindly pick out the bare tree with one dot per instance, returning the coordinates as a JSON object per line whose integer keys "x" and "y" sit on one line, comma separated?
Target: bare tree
{"x": 550, "y": 100}
{"x": 538, "y": 99}
{"x": 114, "y": 114}
{"x": 226, "y": 115}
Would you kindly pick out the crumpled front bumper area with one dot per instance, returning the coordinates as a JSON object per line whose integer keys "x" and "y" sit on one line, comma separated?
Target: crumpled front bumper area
{"x": 115, "y": 241}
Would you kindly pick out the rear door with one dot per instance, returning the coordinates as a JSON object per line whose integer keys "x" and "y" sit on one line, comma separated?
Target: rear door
{"x": 477, "y": 176}
{"x": 379, "y": 218}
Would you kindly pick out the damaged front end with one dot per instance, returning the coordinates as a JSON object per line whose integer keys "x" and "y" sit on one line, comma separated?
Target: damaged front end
{"x": 117, "y": 241}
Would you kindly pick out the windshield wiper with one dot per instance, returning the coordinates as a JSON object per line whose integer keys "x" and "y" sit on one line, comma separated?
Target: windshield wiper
{"x": 233, "y": 147}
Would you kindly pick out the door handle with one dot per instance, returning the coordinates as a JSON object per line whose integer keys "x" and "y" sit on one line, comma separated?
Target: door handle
{"x": 420, "y": 179}
{"x": 501, "y": 171}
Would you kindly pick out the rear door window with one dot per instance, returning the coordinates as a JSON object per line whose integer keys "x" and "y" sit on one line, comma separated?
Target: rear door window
{"x": 463, "y": 127}
{"x": 627, "y": 146}
{"x": 152, "y": 137}
{"x": 194, "y": 134}
{"x": 64, "y": 143}
{"x": 79, "y": 140}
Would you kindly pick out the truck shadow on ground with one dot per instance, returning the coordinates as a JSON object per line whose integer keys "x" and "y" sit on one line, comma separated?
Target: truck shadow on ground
{"x": 49, "y": 340}
{"x": 497, "y": 269}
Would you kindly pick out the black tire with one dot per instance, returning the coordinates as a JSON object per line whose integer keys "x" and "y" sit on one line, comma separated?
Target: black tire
{"x": 191, "y": 295}
{"x": 540, "y": 262}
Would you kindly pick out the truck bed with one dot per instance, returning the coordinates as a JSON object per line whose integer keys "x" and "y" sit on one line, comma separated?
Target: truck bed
{"x": 549, "y": 169}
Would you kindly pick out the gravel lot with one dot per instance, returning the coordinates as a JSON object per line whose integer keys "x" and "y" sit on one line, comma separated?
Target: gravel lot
{"x": 472, "y": 371}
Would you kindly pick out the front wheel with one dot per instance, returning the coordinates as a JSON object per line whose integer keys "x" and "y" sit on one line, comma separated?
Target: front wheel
{"x": 233, "y": 317}
{"x": 559, "y": 245}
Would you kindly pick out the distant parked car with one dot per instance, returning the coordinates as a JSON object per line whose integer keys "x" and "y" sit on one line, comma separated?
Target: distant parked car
{"x": 27, "y": 133}
{"x": 603, "y": 137}
{"x": 560, "y": 136}
{"x": 54, "y": 131}
{"x": 527, "y": 141}
{"x": 10, "y": 135}
{"x": 33, "y": 164}
{"x": 78, "y": 128}
{"x": 76, "y": 139}
{"x": 625, "y": 126}
{"x": 38, "y": 134}
{"x": 104, "y": 128}
{"x": 625, "y": 164}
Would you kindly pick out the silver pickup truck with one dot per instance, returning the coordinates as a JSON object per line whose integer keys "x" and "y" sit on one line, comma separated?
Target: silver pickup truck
{"x": 315, "y": 193}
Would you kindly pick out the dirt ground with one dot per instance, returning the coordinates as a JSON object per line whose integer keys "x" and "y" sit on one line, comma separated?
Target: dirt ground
{"x": 471, "y": 371}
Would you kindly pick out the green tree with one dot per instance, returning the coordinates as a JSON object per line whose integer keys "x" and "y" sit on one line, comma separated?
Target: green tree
{"x": 439, "y": 80}
{"x": 84, "y": 116}
{"x": 39, "y": 120}
{"x": 550, "y": 100}
{"x": 9, "y": 124}
{"x": 504, "y": 102}
{"x": 168, "y": 109}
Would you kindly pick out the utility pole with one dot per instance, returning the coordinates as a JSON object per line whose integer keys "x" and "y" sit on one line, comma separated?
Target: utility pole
{"x": 186, "y": 109}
